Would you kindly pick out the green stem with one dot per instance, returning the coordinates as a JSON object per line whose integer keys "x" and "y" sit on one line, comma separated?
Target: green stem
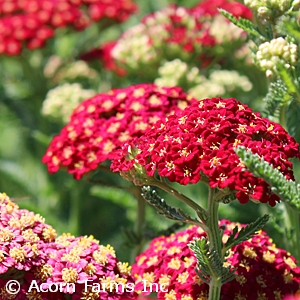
{"x": 292, "y": 230}
{"x": 214, "y": 289}
{"x": 201, "y": 212}
{"x": 139, "y": 223}
{"x": 215, "y": 242}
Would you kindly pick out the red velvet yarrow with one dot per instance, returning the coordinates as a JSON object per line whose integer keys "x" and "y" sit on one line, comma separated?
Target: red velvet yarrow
{"x": 210, "y": 8}
{"x": 200, "y": 141}
{"x": 261, "y": 268}
{"x": 293, "y": 297}
{"x": 102, "y": 124}
{"x": 32, "y": 22}
{"x": 83, "y": 261}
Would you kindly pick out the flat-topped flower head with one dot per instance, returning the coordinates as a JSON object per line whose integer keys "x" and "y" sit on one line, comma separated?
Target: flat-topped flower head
{"x": 91, "y": 268}
{"x": 31, "y": 22}
{"x": 263, "y": 270}
{"x": 200, "y": 141}
{"x": 102, "y": 124}
{"x": 23, "y": 237}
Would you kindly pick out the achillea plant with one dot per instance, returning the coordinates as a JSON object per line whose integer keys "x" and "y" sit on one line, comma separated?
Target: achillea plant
{"x": 262, "y": 270}
{"x": 198, "y": 144}
{"x": 24, "y": 238}
{"x": 93, "y": 269}
{"x": 49, "y": 267}
{"x": 30, "y": 23}
{"x": 102, "y": 124}
{"x": 193, "y": 35}
{"x": 62, "y": 100}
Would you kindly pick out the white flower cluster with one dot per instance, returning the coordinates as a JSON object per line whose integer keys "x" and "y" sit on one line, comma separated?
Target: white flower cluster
{"x": 269, "y": 53}
{"x": 54, "y": 69}
{"x": 62, "y": 100}
{"x": 220, "y": 82}
{"x": 270, "y": 9}
{"x": 177, "y": 72}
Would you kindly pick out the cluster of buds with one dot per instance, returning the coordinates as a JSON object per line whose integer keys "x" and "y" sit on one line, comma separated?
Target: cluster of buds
{"x": 219, "y": 82}
{"x": 62, "y": 100}
{"x": 32, "y": 22}
{"x": 263, "y": 271}
{"x": 271, "y": 9}
{"x": 277, "y": 50}
{"x": 178, "y": 73}
{"x": 101, "y": 125}
{"x": 200, "y": 140}
{"x": 58, "y": 72}
{"x": 31, "y": 254}
{"x": 174, "y": 32}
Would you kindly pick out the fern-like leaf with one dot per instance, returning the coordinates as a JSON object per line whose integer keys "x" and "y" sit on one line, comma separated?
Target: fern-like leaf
{"x": 244, "y": 24}
{"x": 209, "y": 262}
{"x": 245, "y": 233}
{"x": 151, "y": 196}
{"x": 276, "y": 98}
{"x": 287, "y": 78}
{"x": 287, "y": 190}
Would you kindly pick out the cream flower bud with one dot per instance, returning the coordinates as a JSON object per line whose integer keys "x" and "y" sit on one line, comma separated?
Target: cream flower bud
{"x": 270, "y": 53}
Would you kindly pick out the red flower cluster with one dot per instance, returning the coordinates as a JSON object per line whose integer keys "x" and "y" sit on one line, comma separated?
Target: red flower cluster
{"x": 102, "y": 124}
{"x": 263, "y": 271}
{"x": 210, "y": 8}
{"x": 173, "y": 32}
{"x": 34, "y": 21}
{"x": 200, "y": 141}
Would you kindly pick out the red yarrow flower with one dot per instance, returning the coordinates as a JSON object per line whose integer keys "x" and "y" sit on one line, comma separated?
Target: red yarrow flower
{"x": 263, "y": 271}
{"x": 32, "y": 22}
{"x": 200, "y": 141}
{"x": 101, "y": 125}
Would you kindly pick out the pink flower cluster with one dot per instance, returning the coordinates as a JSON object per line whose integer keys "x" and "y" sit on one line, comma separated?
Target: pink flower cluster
{"x": 78, "y": 266}
{"x": 101, "y": 125}
{"x": 24, "y": 238}
{"x": 199, "y": 142}
{"x": 263, "y": 271}
{"x": 92, "y": 268}
{"x": 173, "y": 32}
{"x": 32, "y": 22}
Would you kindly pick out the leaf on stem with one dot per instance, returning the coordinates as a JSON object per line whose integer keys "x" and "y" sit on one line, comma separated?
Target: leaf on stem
{"x": 287, "y": 190}
{"x": 245, "y": 233}
{"x": 209, "y": 262}
{"x": 151, "y": 196}
{"x": 244, "y": 24}
{"x": 276, "y": 98}
{"x": 287, "y": 78}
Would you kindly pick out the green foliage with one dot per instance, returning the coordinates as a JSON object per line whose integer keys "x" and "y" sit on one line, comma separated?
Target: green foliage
{"x": 244, "y": 24}
{"x": 290, "y": 83}
{"x": 245, "y": 233}
{"x": 209, "y": 262}
{"x": 276, "y": 98}
{"x": 151, "y": 196}
{"x": 288, "y": 190}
